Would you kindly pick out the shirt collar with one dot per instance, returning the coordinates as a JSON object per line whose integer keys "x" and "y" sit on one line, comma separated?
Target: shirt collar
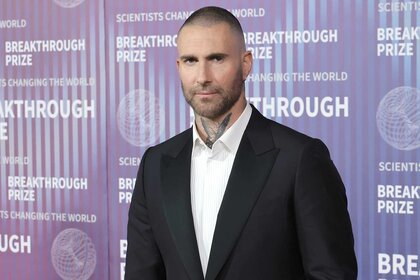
{"x": 233, "y": 135}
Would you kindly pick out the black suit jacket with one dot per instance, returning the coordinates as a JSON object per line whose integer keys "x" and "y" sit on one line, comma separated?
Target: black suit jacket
{"x": 283, "y": 216}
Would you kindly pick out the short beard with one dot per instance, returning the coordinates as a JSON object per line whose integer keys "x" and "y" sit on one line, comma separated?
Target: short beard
{"x": 230, "y": 97}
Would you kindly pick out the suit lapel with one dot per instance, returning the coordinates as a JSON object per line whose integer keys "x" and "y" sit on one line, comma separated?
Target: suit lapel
{"x": 253, "y": 163}
{"x": 175, "y": 176}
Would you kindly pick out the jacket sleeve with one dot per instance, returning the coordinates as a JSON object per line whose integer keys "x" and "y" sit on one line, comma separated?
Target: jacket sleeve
{"x": 322, "y": 220}
{"x": 143, "y": 259}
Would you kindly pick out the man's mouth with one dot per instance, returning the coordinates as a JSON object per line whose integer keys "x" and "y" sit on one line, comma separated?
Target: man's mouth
{"x": 205, "y": 93}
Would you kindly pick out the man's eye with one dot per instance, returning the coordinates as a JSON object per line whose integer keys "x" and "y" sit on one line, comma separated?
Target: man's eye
{"x": 217, "y": 58}
{"x": 189, "y": 61}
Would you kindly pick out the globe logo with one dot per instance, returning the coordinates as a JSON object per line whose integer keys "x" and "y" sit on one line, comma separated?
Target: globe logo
{"x": 138, "y": 118}
{"x": 398, "y": 118}
{"x": 68, "y": 3}
{"x": 73, "y": 255}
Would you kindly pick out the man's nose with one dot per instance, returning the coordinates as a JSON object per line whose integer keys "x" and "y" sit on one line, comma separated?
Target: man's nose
{"x": 204, "y": 73}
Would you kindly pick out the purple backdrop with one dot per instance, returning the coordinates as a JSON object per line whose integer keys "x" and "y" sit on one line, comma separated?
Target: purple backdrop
{"x": 86, "y": 86}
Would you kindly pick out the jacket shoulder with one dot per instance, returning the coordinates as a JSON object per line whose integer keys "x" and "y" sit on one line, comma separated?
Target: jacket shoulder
{"x": 294, "y": 141}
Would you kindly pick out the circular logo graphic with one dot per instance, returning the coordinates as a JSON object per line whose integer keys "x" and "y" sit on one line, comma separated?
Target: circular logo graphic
{"x": 138, "y": 118}
{"x": 73, "y": 255}
{"x": 68, "y": 3}
{"x": 398, "y": 118}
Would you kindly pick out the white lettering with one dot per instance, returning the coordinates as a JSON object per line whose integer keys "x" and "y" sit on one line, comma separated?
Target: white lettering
{"x": 291, "y": 37}
{"x": 147, "y": 41}
{"x": 21, "y": 195}
{"x": 12, "y": 23}
{"x": 398, "y": 264}
{"x": 47, "y": 183}
{"x": 297, "y": 106}
{"x": 131, "y": 56}
{"x": 399, "y": 6}
{"x": 396, "y": 207}
{"x": 123, "y": 248}
{"x": 395, "y": 49}
{"x": 18, "y": 59}
{"x": 399, "y": 191}
{"x": 47, "y": 109}
{"x": 3, "y": 131}
{"x": 45, "y": 46}
{"x": 81, "y": 218}
{"x": 15, "y": 244}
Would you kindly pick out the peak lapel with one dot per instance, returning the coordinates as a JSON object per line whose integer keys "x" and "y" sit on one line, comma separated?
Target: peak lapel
{"x": 175, "y": 176}
{"x": 253, "y": 163}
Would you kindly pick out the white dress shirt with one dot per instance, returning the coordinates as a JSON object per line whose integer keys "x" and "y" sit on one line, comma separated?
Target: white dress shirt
{"x": 210, "y": 170}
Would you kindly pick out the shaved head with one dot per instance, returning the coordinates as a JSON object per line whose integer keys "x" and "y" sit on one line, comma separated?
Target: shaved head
{"x": 208, "y": 16}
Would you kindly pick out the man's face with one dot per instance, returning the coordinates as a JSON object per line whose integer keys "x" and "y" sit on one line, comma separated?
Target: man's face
{"x": 212, "y": 66}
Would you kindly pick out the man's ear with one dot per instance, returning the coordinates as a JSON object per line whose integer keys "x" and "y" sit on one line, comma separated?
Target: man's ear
{"x": 246, "y": 64}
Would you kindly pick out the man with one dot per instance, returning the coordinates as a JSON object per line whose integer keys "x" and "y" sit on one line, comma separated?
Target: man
{"x": 237, "y": 196}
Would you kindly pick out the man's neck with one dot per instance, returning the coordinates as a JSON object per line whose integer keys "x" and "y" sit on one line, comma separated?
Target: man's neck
{"x": 210, "y": 130}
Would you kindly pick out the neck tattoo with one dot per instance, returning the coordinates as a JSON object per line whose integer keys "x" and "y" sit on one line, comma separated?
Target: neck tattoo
{"x": 214, "y": 130}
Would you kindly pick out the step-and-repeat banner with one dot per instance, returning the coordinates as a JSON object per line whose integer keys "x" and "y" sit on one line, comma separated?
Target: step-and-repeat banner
{"x": 86, "y": 86}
